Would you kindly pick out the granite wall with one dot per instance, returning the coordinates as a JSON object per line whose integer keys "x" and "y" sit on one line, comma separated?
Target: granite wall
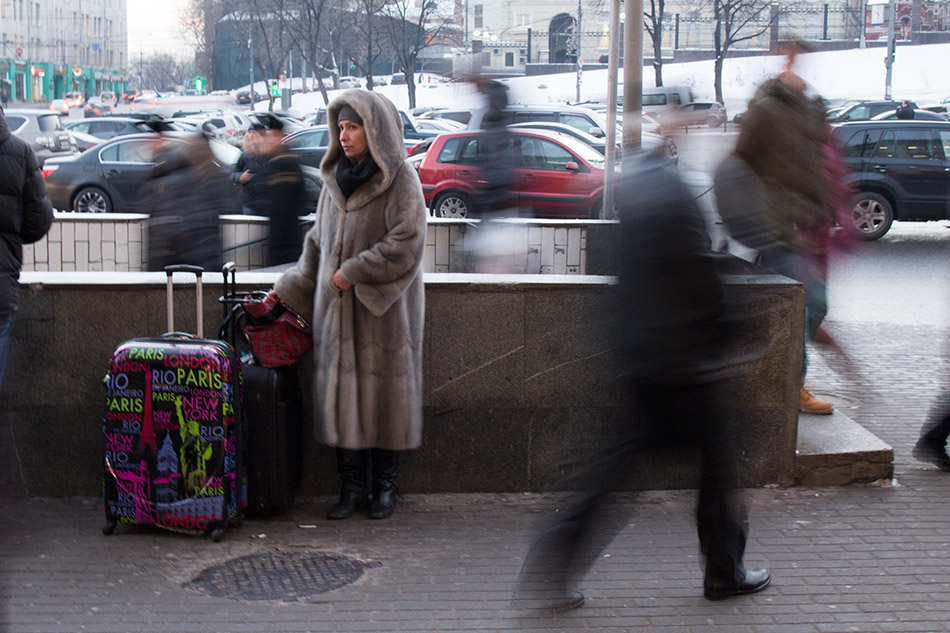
{"x": 520, "y": 380}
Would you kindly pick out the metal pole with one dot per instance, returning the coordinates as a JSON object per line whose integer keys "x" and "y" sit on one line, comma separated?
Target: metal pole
{"x": 632, "y": 76}
{"x": 607, "y": 209}
{"x": 862, "y": 43}
{"x": 529, "y": 44}
{"x": 250, "y": 46}
{"x": 889, "y": 59}
{"x": 580, "y": 58}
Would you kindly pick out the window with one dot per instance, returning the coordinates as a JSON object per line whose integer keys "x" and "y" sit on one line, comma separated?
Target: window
{"x": 534, "y": 117}
{"x": 478, "y": 16}
{"x": 860, "y": 112}
{"x": 538, "y": 153}
{"x": 885, "y": 148}
{"x": 913, "y": 144}
{"x": 578, "y": 122}
{"x": 861, "y": 144}
{"x": 49, "y": 122}
{"x": 654, "y": 100}
{"x": 450, "y": 151}
{"x": 469, "y": 153}
{"x": 139, "y": 151}
{"x": 15, "y": 122}
{"x": 945, "y": 143}
{"x": 82, "y": 128}
{"x": 509, "y": 59}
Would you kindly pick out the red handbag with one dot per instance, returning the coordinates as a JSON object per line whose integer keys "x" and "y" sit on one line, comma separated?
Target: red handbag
{"x": 278, "y": 336}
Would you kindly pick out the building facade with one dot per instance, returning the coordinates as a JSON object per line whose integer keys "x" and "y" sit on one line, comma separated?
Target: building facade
{"x": 51, "y": 47}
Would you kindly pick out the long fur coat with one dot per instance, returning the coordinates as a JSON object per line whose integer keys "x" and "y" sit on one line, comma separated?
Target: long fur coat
{"x": 367, "y": 340}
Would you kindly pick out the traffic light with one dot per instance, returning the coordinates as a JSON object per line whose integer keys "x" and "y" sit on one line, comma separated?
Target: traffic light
{"x": 199, "y": 83}
{"x": 352, "y": 63}
{"x": 275, "y": 89}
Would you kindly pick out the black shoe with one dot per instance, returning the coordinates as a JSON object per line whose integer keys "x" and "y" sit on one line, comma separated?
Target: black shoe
{"x": 384, "y": 502}
{"x": 753, "y": 582}
{"x": 925, "y": 451}
{"x": 352, "y": 498}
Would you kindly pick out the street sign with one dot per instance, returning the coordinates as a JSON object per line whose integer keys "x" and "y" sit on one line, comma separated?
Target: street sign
{"x": 19, "y": 52}
{"x": 95, "y": 46}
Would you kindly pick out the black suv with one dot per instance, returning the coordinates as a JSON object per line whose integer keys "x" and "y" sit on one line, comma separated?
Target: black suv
{"x": 900, "y": 169}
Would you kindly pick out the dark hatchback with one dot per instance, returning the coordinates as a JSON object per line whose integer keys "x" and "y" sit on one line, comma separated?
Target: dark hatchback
{"x": 108, "y": 177}
{"x": 901, "y": 171}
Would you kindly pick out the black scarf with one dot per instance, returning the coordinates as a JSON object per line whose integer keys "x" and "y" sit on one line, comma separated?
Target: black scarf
{"x": 349, "y": 176}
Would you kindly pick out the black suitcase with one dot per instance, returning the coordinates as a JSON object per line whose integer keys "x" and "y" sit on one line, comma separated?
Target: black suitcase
{"x": 273, "y": 411}
{"x": 173, "y": 443}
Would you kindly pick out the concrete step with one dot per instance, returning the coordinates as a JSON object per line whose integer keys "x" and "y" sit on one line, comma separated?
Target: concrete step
{"x": 834, "y": 450}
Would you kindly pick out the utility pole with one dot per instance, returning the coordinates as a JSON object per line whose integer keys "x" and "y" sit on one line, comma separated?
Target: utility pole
{"x": 862, "y": 41}
{"x": 891, "y": 46}
{"x": 580, "y": 58}
{"x": 250, "y": 46}
{"x": 607, "y": 209}
{"x": 632, "y": 77}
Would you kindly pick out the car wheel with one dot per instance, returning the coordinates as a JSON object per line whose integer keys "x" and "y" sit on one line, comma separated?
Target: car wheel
{"x": 595, "y": 210}
{"x": 871, "y": 215}
{"x": 452, "y": 204}
{"x": 92, "y": 200}
{"x": 713, "y": 121}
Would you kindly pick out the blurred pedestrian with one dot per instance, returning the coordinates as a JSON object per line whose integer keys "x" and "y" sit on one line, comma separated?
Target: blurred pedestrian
{"x": 279, "y": 192}
{"x": 788, "y": 146}
{"x": 26, "y": 214}
{"x": 360, "y": 278}
{"x": 246, "y": 171}
{"x": 184, "y": 197}
{"x": 495, "y": 154}
{"x": 905, "y": 110}
{"x": 674, "y": 342}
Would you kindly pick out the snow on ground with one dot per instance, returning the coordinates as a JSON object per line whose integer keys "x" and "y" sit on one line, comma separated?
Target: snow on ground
{"x": 919, "y": 73}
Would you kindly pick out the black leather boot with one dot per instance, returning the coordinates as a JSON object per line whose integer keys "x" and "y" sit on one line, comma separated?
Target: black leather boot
{"x": 352, "y": 468}
{"x": 385, "y": 470}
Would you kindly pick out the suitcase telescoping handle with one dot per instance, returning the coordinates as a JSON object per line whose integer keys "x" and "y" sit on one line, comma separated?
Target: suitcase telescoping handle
{"x": 185, "y": 268}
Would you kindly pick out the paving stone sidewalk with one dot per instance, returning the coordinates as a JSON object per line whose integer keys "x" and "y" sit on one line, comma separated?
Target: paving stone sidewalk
{"x": 862, "y": 558}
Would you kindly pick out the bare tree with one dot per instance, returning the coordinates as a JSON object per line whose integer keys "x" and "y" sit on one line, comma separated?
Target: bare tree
{"x": 368, "y": 32}
{"x": 653, "y": 22}
{"x": 165, "y": 71}
{"x": 312, "y": 31}
{"x": 267, "y": 23}
{"x": 737, "y": 21}
{"x": 410, "y": 31}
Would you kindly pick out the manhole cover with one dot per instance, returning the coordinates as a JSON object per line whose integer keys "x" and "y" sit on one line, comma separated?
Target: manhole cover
{"x": 279, "y": 575}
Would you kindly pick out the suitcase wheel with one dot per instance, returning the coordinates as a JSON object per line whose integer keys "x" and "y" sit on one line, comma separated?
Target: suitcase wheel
{"x": 109, "y": 527}
{"x": 217, "y": 534}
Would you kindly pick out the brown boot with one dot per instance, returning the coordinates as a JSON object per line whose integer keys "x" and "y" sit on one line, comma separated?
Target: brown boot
{"x": 811, "y": 404}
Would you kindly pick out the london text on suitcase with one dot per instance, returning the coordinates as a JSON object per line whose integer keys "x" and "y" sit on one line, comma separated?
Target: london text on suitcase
{"x": 172, "y": 446}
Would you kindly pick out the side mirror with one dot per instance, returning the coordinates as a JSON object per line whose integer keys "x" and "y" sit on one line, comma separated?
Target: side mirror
{"x": 597, "y": 132}
{"x": 572, "y": 166}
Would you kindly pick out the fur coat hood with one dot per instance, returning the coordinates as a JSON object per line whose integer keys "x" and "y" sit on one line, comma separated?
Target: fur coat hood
{"x": 383, "y": 133}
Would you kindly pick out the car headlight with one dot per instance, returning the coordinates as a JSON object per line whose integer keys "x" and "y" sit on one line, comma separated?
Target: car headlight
{"x": 44, "y": 141}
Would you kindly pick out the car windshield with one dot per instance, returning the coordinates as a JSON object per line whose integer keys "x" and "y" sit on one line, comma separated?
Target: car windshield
{"x": 49, "y": 122}
{"x": 583, "y": 150}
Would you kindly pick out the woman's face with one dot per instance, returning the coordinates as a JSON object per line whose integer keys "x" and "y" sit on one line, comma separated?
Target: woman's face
{"x": 353, "y": 140}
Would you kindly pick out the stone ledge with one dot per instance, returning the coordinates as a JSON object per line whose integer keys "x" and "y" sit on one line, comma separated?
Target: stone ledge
{"x": 834, "y": 450}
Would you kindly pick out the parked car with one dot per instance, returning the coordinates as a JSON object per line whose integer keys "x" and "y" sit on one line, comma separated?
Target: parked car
{"x": 463, "y": 115}
{"x": 109, "y": 127}
{"x": 919, "y": 115}
{"x": 584, "y": 119}
{"x": 397, "y": 79}
{"x": 900, "y": 169}
{"x": 108, "y": 177}
{"x": 59, "y": 106}
{"x": 107, "y": 98}
{"x": 75, "y": 99}
{"x": 438, "y": 125}
{"x": 555, "y": 176}
{"x": 661, "y": 100}
{"x": 94, "y": 108}
{"x": 309, "y": 145}
{"x": 709, "y": 113}
{"x": 350, "y": 82}
{"x": 864, "y": 110}
{"x": 43, "y": 130}
{"x": 649, "y": 140}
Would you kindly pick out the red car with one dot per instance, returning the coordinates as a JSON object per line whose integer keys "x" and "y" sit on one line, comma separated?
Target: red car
{"x": 555, "y": 175}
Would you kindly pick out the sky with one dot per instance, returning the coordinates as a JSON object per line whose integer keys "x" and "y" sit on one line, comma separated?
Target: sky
{"x": 153, "y": 27}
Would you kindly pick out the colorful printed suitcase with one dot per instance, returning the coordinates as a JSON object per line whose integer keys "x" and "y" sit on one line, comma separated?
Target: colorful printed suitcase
{"x": 173, "y": 443}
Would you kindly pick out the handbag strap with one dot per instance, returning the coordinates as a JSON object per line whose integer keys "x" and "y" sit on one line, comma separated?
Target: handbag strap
{"x": 272, "y": 315}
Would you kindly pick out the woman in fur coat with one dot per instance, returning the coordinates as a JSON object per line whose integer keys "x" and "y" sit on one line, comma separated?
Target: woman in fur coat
{"x": 360, "y": 279}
